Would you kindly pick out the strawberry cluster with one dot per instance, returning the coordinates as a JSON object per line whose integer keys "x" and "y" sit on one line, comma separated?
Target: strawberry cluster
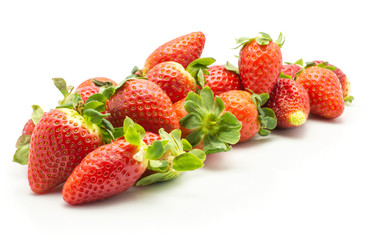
{"x": 103, "y": 138}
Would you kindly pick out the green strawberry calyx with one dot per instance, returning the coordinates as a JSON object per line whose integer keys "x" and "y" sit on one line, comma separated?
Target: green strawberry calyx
{"x": 263, "y": 39}
{"x": 209, "y": 123}
{"x": 230, "y": 67}
{"x": 298, "y": 62}
{"x": 266, "y": 116}
{"x": 198, "y": 68}
{"x": 167, "y": 157}
{"x": 23, "y": 142}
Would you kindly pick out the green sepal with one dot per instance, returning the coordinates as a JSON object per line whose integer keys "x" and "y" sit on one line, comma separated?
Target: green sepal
{"x": 212, "y": 144}
{"x": 98, "y": 106}
{"x": 21, "y": 154}
{"x": 199, "y": 153}
{"x": 187, "y": 162}
{"x": 132, "y": 136}
{"x": 231, "y": 67}
{"x": 266, "y": 116}
{"x": 349, "y": 99}
{"x": 100, "y": 84}
{"x": 186, "y": 145}
{"x": 158, "y": 165}
{"x": 23, "y": 140}
{"x": 134, "y": 75}
{"x": 61, "y": 84}
{"x": 198, "y": 68}
{"x": 118, "y": 132}
{"x": 94, "y": 116}
{"x": 281, "y": 40}
{"x": 37, "y": 113}
{"x": 282, "y": 75}
{"x": 191, "y": 121}
{"x": 158, "y": 177}
{"x": 195, "y": 137}
{"x": 155, "y": 151}
{"x": 108, "y": 92}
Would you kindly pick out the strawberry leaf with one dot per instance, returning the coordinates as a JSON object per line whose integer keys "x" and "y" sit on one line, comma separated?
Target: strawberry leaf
{"x": 132, "y": 136}
{"x": 187, "y": 162}
{"x": 282, "y": 75}
{"x": 158, "y": 165}
{"x": 158, "y": 177}
{"x": 94, "y": 116}
{"x": 212, "y": 144}
{"x": 231, "y": 68}
{"x": 21, "y": 154}
{"x": 155, "y": 151}
{"x": 37, "y": 114}
{"x": 198, "y": 68}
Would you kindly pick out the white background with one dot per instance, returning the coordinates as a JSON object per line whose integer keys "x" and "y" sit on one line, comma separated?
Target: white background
{"x": 307, "y": 183}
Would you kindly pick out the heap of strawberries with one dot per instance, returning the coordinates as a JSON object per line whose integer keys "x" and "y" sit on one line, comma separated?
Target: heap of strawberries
{"x": 103, "y": 138}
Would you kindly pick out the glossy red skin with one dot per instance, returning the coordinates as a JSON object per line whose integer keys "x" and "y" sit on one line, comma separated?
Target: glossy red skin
{"x": 324, "y": 90}
{"x": 222, "y": 80}
{"x": 286, "y": 98}
{"x": 89, "y": 82}
{"x": 260, "y": 66}
{"x": 239, "y": 103}
{"x": 105, "y": 172}
{"x": 87, "y": 91}
{"x": 291, "y": 69}
{"x": 173, "y": 79}
{"x": 145, "y": 103}
{"x": 342, "y": 79}
{"x": 183, "y": 50}
{"x": 58, "y": 144}
{"x": 28, "y": 128}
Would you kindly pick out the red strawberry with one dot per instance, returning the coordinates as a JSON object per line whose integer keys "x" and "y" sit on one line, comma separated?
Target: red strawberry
{"x": 173, "y": 79}
{"x": 106, "y": 171}
{"x": 61, "y": 139}
{"x": 223, "y": 78}
{"x": 113, "y": 168}
{"x": 260, "y": 62}
{"x": 28, "y": 128}
{"x": 92, "y": 82}
{"x": 324, "y": 90}
{"x": 246, "y": 108}
{"x": 346, "y": 85}
{"x": 290, "y": 102}
{"x": 143, "y": 101}
{"x": 183, "y": 50}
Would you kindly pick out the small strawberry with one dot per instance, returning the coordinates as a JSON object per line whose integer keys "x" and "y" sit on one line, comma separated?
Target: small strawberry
{"x": 346, "y": 85}
{"x": 143, "y": 101}
{"x": 182, "y": 50}
{"x": 247, "y": 108}
{"x": 115, "y": 167}
{"x": 260, "y": 62}
{"x": 324, "y": 90}
{"x": 176, "y": 81}
{"x": 290, "y": 102}
{"x": 223, "y": 78}
{"x": 291, "y": 69}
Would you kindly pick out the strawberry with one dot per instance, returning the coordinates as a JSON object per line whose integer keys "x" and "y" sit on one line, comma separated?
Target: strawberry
{"x": 246, "y": 107}
{"x": 97, "y": 82}
{"x": 115, "y": 167}
{"x": 176, "y": 81}
{"x": 61, "y": 139}
{"x": 223, "y": 78}
{"x": 260, "y": 62}
{"x": 290, "y": 102}
{"x": 143, "y": 101}
{"x": 28, "y": 127}
{"x": 291, "y": 69}
{"x": 324, "y": 90}
{"x": 173, "y": 79}
{"x": 346, "y": 85}
{"x": 182, "y": 50}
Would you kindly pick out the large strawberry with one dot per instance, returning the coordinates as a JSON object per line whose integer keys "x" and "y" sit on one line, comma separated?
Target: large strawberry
{"x": 113, "y": 168}
{"x": 177, "y": 81}
{"x": 324, "y": 90}
{"x": 223, "y": 78}
{"x": 182, "y": 50}
{"x": 346, "y": 85}
{"x": 290, "y": 102}
{"x": 260, "y": 62}
{"x": 143, "y": 101}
